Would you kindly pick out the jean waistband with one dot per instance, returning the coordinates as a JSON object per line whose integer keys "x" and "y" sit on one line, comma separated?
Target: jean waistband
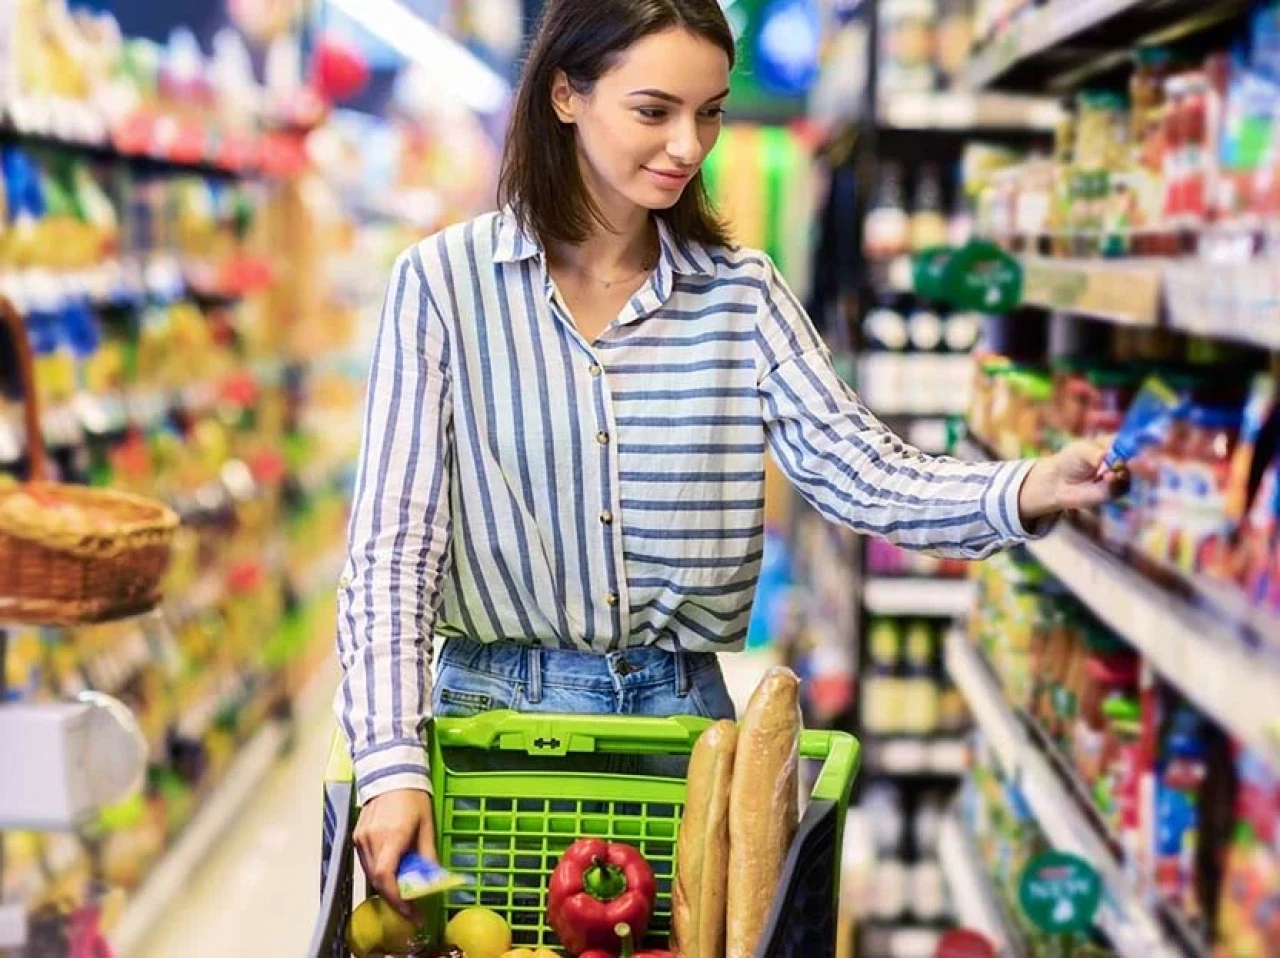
{"x": 537, "y": 666}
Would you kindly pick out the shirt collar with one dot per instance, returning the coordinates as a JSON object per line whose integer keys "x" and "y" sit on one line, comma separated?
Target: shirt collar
{"x": 514, "y": 243}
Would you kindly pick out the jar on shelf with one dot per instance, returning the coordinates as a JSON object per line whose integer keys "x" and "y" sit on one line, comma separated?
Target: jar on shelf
{"x": 907, "y": 45}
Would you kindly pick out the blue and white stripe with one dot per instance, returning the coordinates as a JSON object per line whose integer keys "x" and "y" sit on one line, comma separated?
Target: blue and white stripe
{"x": 517, "y": 482}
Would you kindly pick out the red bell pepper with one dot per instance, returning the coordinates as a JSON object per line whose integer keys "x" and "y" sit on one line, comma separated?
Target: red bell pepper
{"x": 597, "y": 886}
{"x": 623, "y": 931}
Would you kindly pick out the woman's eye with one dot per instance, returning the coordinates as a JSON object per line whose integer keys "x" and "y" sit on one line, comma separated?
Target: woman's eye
{"x": 651, "y": 112}
{"x": 713, "y": 113}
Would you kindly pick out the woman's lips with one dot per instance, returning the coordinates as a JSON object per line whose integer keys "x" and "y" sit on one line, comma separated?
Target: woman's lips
{"x": 669, "y": 179}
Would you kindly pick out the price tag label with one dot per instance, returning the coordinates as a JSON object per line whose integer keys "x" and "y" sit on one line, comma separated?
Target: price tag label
{"x": 1060, "y": 893}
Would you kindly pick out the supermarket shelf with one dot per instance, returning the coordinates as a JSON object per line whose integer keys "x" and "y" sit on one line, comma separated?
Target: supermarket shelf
{"x": 1201, "y": 653}
{"x": 165, "y": 883}
{"x": 940, "y": 598}
{"x": 172, "y": 875}
{"x": 907, "y": 756}
{"x": 78, "y": 126}
{"x": 1055, "y": 47}
{"x": 964, "y": 111}
{"x": 1230, "y": 301}
{"x": 972, "y": 893}
{"x": 1000, "y": 727}
{"x": 1124, "y": 291}
{"x": 900, "y": 941}
{"x": 915, "y": 384}
{"x": 1135, "y": 931}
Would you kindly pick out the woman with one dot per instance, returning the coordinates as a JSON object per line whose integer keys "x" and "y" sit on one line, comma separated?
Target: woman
{"x": 568, "y": 411}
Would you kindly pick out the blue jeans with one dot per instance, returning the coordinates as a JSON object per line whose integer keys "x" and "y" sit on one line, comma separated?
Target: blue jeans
{"x": 474, "y": 677}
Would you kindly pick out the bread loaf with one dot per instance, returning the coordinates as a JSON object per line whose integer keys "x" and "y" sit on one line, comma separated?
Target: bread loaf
{"x": 763, "y": 807}
{"x": 702, "y": 852}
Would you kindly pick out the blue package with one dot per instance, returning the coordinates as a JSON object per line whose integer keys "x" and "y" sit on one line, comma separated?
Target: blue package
{"x": 418, "y": 878}
{"x": 1145, "y": 424}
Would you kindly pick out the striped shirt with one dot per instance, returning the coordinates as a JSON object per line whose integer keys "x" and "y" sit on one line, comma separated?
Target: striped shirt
{"x": 517, "y": 482}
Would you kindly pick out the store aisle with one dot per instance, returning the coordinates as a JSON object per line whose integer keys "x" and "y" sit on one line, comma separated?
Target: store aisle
{"x": 257, "y": 894}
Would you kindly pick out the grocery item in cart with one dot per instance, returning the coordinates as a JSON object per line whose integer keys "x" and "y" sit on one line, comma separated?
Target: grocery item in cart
{"x": 596, "y": 887}
{"x": 763, "y": 805}
{"x": 702, "y": 851}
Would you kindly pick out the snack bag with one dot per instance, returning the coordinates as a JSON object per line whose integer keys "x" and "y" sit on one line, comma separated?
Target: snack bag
{"x": 418, "y": 878}
{"x": 1145, "y": 425}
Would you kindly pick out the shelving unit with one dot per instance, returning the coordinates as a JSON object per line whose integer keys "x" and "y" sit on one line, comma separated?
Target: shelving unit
{"x": 942, "y": 757}
{"x": 1057, "y": 46}
{"x": 1196, "y": 647}
{"x": 166, "y": 881}
{"x": 1120, "y": 291}
{"x": 1133, "y": 927}
{"x": 1232, "y": 301}
{"x": 965, "y": 111}
{"x": 940, "y": 598}
{"x": 974, "y": 898}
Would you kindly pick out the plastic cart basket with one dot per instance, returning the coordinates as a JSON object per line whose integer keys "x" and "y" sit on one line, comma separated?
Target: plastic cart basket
{"x": 507, "y": 829}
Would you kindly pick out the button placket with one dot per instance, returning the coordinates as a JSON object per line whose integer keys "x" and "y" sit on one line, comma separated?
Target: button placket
{"x": 609, "y": 492}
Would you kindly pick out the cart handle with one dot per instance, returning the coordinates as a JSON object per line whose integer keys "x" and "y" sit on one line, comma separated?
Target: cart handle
{"x": 558, "y": 735}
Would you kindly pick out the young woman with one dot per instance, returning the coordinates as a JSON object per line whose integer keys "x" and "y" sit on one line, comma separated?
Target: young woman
{"x": 568, "y": 412}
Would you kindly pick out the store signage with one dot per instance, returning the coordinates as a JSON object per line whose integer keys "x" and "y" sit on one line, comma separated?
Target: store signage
{"x": 1060, "y": 893}
{"x": 963, "y": 943}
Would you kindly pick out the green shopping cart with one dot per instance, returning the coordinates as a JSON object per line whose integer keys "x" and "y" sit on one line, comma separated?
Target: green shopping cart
{"x": 506, "y": 828}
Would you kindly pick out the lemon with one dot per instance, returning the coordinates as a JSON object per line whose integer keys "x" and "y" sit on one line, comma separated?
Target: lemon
{"x": 479, "y": 932}
{"x": 376, "y": 928}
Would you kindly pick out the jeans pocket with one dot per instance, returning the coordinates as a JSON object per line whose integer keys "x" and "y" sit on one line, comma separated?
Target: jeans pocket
{"x": 463, "y": 693}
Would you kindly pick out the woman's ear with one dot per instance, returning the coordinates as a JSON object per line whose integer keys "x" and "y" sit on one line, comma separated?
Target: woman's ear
{"x": 562, "y": 97}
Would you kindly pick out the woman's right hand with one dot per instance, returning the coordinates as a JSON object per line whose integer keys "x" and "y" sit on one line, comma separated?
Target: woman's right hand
{"x": 390, "y": 826}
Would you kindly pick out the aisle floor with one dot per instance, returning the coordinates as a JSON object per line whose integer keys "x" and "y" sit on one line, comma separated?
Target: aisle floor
{"x": 257, "y": 893}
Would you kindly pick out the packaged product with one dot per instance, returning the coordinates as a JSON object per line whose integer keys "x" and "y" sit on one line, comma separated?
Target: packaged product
{"x": 1110, "y": 671}
{"x": 882, "y": 690}
{"x": 1250, "y": 888}
{"x": 1201, "y": 536}
{"x": 920, "y": 689}
{"x": 1180, "y": 777}
{"x": 1147, "y": 423}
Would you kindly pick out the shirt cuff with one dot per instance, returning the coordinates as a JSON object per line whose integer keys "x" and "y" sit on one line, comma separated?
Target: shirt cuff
{"x": 395, "y": 765}
{"x": 1000, "y": 503}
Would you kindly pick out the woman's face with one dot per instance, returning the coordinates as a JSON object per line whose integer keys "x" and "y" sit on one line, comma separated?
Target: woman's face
{"x": 649, "y": 122}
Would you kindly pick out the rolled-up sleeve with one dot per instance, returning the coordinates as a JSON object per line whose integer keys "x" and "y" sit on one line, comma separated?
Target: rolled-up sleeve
{"x": 852, "y": 469}
{"x": 398, "y": 540}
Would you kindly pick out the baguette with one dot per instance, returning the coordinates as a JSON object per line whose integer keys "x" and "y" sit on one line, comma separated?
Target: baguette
{"x": 763, "y": 807}
{"x": 702, "y": 851}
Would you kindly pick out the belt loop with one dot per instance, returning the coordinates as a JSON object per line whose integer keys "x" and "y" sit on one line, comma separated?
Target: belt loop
{"x": 534, "y": 660}
{"x": 682, "y": 670}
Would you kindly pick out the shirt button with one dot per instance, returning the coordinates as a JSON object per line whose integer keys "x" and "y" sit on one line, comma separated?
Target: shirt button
{"x": 606, "y": 517}
{"x": 602, "y": 437}
{"x": 595, "y": 369}
{"x": 611, "y": 598}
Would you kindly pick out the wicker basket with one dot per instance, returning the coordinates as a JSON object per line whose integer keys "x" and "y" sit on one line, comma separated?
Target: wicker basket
{"x": 73, "y": 554}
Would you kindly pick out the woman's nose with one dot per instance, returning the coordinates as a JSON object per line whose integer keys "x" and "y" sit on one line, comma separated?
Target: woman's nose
{"x": 685, "y": 147}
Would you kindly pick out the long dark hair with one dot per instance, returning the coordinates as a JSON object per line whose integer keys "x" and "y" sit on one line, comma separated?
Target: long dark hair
{"x": 540, "y": 178}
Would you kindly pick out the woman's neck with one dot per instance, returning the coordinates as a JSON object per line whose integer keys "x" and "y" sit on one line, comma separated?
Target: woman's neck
{"x": 626, "y": 246}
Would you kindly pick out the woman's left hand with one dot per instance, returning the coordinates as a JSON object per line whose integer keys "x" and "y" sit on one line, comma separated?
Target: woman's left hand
{"x": 1074, "y": 478}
